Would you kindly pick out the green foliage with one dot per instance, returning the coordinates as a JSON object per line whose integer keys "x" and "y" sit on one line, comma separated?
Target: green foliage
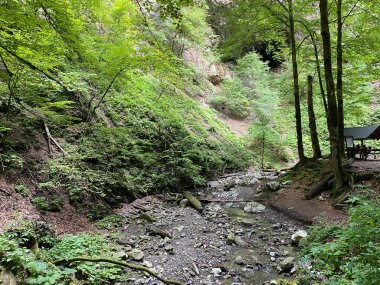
{"x": 11, "y": 160}
{"x": 23, "y": 190}
{"x": 350, "y": 254}
{"x": 43, "y": 205}
{"x": 108, "y": 222}
{"x": 235, "y": 101}
{"x": 38, "y": 268}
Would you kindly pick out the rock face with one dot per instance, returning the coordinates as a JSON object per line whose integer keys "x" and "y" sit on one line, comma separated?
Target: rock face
{"x": 136, "y": 254}
{"x": 298, "y": 236}
{"x": 254, "y": 207}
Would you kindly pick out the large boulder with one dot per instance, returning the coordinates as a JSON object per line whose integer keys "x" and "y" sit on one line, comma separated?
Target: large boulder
{"x": 254, "y": 207}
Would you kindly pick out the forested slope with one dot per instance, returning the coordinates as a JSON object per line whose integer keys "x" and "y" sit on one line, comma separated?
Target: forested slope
{"x": 104, "y": 87}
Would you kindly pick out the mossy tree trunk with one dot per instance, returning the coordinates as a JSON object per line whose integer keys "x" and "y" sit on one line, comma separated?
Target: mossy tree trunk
{"x": 312, "y": 124}
{"x": 296, "y": 90}
{"x": 331, "y": 99}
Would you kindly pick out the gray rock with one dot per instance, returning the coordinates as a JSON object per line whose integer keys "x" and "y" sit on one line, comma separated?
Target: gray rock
{"x": 136, "y": 254}
{"x": 286, "y": 265}
{"x": 231, "y": 238}
{"x": 183, "y": 203}
{"x": 239, "y": 260}
{"x": 298, "y": 236}
{"x": 276, "y": 226}
{"x": 294, "y": 269}
{"x": 216, "y": 271}
{"x": 121, "y": 255}
{"x": 240, "y": 242}
{"x": 273, "y": 186}
{"x": 214, "y": 184}
{"x": 169, "y": 249}
{"x": 254, "y": 207}
{"x": 147, "y": 264}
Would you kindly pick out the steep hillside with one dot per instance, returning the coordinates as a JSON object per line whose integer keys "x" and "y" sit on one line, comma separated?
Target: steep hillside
{"x": 97, "y": 103}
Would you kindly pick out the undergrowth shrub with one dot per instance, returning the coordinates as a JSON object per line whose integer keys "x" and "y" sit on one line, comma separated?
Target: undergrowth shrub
{"x": 347, "y": 254}
{"x": 36, "y": 267}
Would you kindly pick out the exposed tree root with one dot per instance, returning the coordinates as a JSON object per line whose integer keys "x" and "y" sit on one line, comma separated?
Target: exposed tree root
{"x": 121, "y": 263}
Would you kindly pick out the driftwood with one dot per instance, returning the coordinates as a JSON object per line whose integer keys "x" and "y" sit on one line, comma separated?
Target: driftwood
{"x": 121, "y": 263}
{"x": 326, "y": 182}
{"x": 193, "y": 201}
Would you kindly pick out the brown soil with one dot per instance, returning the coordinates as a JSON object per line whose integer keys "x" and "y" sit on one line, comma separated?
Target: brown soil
{"x": 292, "y": 202}
{"x": 16, "y": 208}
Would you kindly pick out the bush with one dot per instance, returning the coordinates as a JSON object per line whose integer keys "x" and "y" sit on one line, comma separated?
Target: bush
{"x": 41, "y": 204}
{"x": 38, "y": 268}
{"x": 234, "y": 101}
{"x": 22, "y": 190}
{"x": 350, "y": 254}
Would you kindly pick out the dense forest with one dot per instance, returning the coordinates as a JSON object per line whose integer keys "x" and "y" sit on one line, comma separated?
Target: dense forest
{"x": 118, "y": 117}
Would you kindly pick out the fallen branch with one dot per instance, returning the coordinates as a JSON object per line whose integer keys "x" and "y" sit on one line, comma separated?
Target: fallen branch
{"x": 51, "y": 139}
{"x": 121, "y": 263}
{"x": 5, "y": 192}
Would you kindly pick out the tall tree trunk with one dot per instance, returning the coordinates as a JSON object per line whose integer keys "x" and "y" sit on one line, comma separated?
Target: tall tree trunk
{"x": 339, "y": 79}
{"x": 331, "y": 98}
{"x": 312, "y": 124}
{"x": 295, "y": 83}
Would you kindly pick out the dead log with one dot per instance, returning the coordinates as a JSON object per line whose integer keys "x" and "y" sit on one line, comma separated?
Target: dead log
{"x": 193, "y": 201}
{"x": 325, "y": 183}
{"x": 51, "y": 139}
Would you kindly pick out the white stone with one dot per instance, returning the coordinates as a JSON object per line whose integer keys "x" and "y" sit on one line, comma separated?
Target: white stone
{"x": 298, "y": 235}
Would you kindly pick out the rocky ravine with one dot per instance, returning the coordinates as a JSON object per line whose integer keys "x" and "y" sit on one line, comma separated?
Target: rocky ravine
{"x": 228, "y": 243}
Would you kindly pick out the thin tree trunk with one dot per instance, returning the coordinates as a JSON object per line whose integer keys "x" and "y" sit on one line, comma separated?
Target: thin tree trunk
{"x": 312, "y": 124}
{"x": 295, "y": 83}
{"x": 339, "y": 79}
{"x": 331, "y": 98}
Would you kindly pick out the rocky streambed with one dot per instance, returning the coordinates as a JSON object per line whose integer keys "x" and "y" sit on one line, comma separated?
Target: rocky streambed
{"x": 234, "y": 240}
